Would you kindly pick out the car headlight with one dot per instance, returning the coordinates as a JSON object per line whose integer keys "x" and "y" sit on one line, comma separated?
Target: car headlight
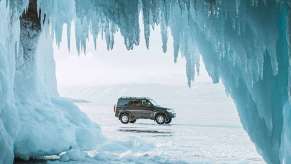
{"x": 171, "y": 110}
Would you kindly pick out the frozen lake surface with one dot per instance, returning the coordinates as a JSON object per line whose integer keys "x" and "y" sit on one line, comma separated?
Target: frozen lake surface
{"x": 206, "y": 130}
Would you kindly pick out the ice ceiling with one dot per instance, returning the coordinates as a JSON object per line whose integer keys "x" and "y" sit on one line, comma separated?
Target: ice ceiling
{"x": 243, "y": 43}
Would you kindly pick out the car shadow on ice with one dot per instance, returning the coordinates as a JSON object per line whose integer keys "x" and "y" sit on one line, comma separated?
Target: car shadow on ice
{"x": 144, "y": 131}
{"x": 154, "y": 124}
{"x": 148, "y": 128}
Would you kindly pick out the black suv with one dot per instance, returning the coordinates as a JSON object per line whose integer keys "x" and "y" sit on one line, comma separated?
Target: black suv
{"x": 129, "y": 109}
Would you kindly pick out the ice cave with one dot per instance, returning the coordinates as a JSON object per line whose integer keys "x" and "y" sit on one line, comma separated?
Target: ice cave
{"x": 245, "y": 44}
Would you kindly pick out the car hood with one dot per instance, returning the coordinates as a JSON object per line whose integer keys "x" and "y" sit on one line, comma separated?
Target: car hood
{"x": 160, "y": 108}
{"x": 164, "y": 109}
{"x": 170, "y": 110}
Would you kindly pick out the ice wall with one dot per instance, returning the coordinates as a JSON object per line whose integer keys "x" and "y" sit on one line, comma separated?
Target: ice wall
{"x": 34, "y": 120}
{"x": 244, "y": 43}
{"x": 8, "y": 113}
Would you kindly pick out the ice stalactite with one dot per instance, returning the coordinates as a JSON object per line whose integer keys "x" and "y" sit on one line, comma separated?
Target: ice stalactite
{"x": 252, "y": 66}
{"x": 146, "y": 20}
{"x": 289, "y": 52}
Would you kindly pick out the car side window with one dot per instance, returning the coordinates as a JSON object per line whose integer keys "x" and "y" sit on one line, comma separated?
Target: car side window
{"x": 131, "y": 103}
{"x": 134, "y": 103}
{"x": 146, "y": 103}
{"x": 138, "y": 103}
{"x": 122, "y": 102}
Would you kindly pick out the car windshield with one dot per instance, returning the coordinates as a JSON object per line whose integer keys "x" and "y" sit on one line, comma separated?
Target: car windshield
{"x": 154, "y": 102}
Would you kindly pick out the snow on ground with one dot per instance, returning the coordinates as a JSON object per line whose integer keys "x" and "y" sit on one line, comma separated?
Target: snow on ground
{"x": 207, "y": 128}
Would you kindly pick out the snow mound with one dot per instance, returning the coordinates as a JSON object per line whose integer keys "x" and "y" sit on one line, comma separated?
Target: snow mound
{"x": 113, "y": 152}
{"x": 70, "y": 128}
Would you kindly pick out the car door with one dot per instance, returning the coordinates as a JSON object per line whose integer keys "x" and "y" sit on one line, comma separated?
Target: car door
{"x": 134, "y": 107}
{"x": 147, "y": 108}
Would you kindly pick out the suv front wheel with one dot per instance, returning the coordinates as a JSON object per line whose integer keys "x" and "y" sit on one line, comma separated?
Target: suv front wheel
{"x": 168, "y": 121}
{"x": 160, "y": 118}
{"x": 124, "y": 118}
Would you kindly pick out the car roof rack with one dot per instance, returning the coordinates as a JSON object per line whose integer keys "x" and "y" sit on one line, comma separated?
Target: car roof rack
{"x": 134, "y": 97}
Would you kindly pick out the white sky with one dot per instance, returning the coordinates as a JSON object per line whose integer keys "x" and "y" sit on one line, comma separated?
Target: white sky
{"x": 120, "y": 66}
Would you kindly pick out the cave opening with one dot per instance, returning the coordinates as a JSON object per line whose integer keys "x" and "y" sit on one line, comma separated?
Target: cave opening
{"x": 242, "y": 46}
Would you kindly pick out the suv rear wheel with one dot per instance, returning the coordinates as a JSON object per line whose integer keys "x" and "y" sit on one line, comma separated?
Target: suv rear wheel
{"x": 133, "y": 121}
{"x": 160, "y": 118}
{"x": 124, "y": 118}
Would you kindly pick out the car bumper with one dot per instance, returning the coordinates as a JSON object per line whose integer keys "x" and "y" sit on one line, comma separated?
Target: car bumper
{"x": 172, "y": 115}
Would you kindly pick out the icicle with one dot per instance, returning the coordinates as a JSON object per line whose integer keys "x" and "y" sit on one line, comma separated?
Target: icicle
{"x": 69, "y": 36}
{"x": 237, "y": 6}
{"x": 274, "y": 62}
{"x": 176, "y": 50}
{"x": 164, "y": 32}
{"x": 146, "y": 20}
{"x": 289, "y": 53}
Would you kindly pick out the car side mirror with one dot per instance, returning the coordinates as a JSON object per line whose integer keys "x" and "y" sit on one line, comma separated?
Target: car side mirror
{"x": 149, "y": 105}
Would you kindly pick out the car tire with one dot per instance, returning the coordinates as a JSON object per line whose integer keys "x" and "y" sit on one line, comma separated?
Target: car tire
{"x": 133, "y": 121}
{"x": 160, "y": 119}
{"x": 168, "y": 120}
{"x": 124, "y": 118}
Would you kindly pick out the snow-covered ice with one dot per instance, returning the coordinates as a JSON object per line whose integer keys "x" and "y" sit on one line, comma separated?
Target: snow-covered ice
{"x": 201, "y": 133}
